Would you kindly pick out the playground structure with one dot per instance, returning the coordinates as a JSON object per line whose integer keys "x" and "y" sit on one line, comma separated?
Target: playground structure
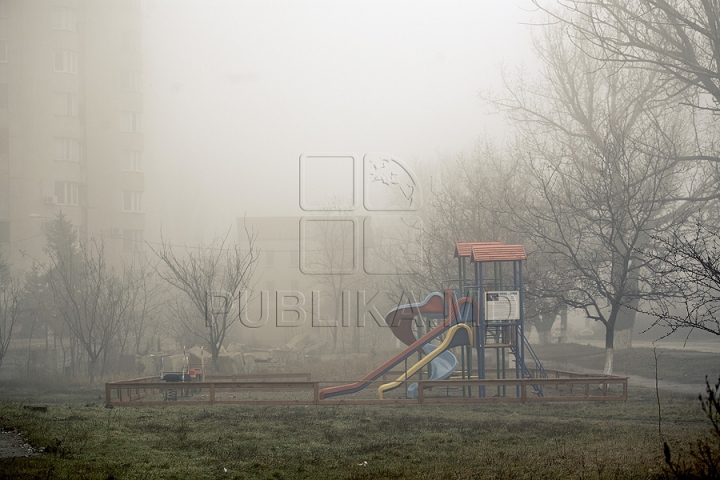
{"x": 189, "y": 372}
{"x": 481, "y": 321}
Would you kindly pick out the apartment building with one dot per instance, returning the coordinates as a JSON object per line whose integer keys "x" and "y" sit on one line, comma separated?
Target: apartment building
{"x": 71, "y": 136}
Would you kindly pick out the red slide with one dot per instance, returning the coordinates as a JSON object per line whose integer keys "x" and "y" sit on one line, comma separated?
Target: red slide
{"x": 400, "y": 319}
{"x": 387, "y": 366}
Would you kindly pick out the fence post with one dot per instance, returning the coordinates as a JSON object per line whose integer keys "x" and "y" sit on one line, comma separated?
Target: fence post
{"x": 212, "y": 393}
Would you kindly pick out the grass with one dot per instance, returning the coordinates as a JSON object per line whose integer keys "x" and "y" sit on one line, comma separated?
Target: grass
{"x": 589, "y": 440}
{"x": 82, "y": 439}
{"x": 673, "y": 365}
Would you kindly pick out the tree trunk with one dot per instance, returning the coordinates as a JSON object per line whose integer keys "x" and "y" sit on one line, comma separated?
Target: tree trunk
{"x": 624, "y": 326}
{"x": 544, "y": 328}
{"x": 104, "y": 362}
{"x": 92, "y": 362}
{"x": 623, "y": 339}
{"x": 563, "y": 326}
{"x": 32, "y": 330}
{"x": 215, "y": 352}
{"x": 545, "y": 337}
{"x": 609, "y": 348}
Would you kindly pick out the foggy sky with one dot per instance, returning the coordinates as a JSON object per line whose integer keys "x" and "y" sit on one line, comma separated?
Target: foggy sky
{"x": 236, "y": 91}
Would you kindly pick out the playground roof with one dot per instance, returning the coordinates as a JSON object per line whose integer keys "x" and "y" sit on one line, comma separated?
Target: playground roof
{"x": 497, "y": 253}
{"x": 464, "y": 249}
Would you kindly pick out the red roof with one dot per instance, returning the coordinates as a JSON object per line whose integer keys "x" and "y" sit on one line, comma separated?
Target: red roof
{"x": 497, "y": 253}
{"x": 464, "y": 249}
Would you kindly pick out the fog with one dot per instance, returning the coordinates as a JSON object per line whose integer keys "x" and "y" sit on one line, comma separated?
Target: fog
{"x": 326, "y": 182}
{"x": 235, "y": 92}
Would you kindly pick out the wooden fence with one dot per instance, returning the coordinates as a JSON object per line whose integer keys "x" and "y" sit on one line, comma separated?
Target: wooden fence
{"x": 562, "y": 386}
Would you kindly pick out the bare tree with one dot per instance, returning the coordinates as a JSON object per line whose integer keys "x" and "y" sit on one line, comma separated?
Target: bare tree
{"x": 678, "y": 39}
{"x": 208, "y": 274}
{"x": 9, "y": 311}
{"x": 91, "y": 299}
{"x": 687, "y": 267}
{"x": 601, "y": 155}
{"x": 36, "y": 311}
{"x": 461, "y": 206}
{"x": 141, "y": 326}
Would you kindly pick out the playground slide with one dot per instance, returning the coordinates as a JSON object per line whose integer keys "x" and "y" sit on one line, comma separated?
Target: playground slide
{"x": 387, "y": 366}
{"x": 400, "y": 319}
{"x": 442, "y": 367}
{"x": 439, "y": 370}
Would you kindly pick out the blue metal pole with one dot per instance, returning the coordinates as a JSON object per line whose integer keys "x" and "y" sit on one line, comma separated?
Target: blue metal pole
{"x": 521, "y": 332}
{"x": 480, "y": 332}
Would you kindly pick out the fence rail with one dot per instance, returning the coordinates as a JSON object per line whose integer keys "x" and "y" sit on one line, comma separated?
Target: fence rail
{"x": 569, "y": 387}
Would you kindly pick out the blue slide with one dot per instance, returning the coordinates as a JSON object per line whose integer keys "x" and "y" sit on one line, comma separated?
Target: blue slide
{"x": 441, "y": 368}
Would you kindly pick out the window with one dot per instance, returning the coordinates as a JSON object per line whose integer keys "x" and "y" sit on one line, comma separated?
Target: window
{"x": 132, "y": 240}
{"x": 64, "y": 19}
{"x": 130, "y": 122}
{"x": 132, "y": 201}
{"x": 65, "y": 61}
{"x": 67, "y": 193}
{"x": 131, "y": 81}
{"x": 3, "y": 51}
{"x": 131, "y": 161}
{"x": 66, "y": 103}
{"x": 130, "y": 41}
{"x": 67, "y": 149}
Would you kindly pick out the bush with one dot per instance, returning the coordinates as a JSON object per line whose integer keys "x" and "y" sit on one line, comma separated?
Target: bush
{"x": 703, "y": 460}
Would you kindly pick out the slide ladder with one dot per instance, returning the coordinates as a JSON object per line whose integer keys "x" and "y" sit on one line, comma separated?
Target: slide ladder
{"x": 525, "y": 371}
{"x": 538, "y": 366}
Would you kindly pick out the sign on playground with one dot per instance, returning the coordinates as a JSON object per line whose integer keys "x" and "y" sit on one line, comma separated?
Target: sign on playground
{"x": 502, "y": 305}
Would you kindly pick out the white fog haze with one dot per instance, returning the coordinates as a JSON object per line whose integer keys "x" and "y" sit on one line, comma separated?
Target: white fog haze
{"x": 235, "y": 92}
{"x": 359, "y": 239}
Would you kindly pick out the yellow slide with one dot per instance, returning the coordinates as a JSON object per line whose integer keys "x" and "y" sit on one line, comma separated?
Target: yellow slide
{"x": 426, "y": 359}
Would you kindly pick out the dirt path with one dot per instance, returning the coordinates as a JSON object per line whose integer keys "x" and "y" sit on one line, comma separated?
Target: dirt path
{"x": 13, "y": 444}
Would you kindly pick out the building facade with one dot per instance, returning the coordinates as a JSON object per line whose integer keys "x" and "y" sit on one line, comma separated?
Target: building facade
{"x": 71, "y": 136}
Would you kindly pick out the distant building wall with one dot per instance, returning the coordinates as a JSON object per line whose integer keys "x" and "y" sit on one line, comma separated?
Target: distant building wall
{"x": 71, "y": 123}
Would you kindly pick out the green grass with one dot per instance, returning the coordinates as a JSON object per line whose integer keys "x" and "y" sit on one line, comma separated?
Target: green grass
{"x": 555, "y": 440}
{"x": 585, "y": 440}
